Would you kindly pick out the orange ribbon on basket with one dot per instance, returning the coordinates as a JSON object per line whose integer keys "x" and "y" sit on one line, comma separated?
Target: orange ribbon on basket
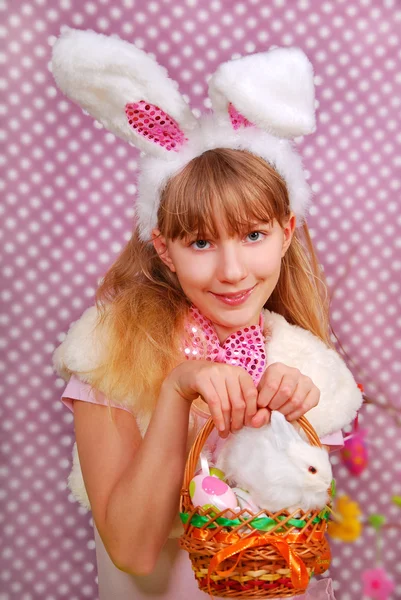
{"x": 299, "y": 573}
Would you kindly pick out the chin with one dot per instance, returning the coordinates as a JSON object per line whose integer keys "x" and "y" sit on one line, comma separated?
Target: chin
{"x": 238, "y": 316}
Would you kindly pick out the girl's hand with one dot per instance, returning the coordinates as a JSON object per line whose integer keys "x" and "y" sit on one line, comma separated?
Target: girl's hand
{"x": 228, "y": 391}
{"x": 285, "y": 389}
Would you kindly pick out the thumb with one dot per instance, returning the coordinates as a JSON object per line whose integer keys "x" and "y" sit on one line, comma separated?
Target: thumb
{"x": 262, "y": 417}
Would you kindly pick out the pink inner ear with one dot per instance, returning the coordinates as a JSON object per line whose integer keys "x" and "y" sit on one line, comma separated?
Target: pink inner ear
{"x": 155, "y": 125}
{"x": 237, "y": 120}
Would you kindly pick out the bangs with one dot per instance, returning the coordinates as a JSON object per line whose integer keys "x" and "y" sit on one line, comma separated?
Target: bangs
{"x": 225, "y": 188}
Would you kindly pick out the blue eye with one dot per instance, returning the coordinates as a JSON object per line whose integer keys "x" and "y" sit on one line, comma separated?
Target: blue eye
{"x": 199, "y": 244}
{"x": 253, "y": 234}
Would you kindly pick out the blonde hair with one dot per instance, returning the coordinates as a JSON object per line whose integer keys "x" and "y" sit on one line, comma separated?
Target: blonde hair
{"x": 141, "y": 300}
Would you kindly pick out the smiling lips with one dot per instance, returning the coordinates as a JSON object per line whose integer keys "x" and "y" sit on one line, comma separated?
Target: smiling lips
{"x": 234, "y": 299}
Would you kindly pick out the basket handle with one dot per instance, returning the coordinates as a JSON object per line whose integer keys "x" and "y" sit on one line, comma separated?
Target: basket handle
{"x": 206, "y": 430}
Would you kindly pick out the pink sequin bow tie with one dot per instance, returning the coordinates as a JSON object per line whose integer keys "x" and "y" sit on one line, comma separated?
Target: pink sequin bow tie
{"x": 244, "y": 348}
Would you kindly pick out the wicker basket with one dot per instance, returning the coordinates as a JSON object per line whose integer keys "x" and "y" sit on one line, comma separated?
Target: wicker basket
{"x": 263, "y": 555}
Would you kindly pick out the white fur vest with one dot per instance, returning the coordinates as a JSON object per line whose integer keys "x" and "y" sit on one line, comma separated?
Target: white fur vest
{"x": 340, "y": 398}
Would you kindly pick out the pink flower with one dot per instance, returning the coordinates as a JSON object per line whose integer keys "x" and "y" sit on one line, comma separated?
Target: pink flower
{"x": 377, "y": 584}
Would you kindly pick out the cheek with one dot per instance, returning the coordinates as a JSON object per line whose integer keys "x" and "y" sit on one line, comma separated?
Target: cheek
{"x": 268, "y": 263}
{"x": 194, "y": 271}
{"x": 190, "y": 281}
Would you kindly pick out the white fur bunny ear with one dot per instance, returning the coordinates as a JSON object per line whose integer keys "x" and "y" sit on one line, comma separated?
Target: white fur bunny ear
{"x": 283, "y": 432}
{"x": 124, "y": 89}
{"x": 273, "y": 90}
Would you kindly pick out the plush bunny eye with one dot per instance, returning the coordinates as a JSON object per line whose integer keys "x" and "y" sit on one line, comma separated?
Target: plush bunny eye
{"x": 312, "y": 470}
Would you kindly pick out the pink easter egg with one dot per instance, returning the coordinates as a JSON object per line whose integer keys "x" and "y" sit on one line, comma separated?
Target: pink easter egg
{"x": 205, "y": 489}
{"x": 354, "y": 454}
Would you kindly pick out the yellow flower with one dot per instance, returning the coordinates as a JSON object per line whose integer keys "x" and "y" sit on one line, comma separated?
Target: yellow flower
{"x": 347, "y": 526}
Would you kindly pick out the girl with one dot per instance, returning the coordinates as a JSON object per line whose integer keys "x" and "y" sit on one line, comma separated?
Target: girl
{"x": 216, "y": 305}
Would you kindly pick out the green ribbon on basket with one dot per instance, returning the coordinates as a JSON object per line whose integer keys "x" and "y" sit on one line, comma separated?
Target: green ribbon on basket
{"x": 261, "y": 523}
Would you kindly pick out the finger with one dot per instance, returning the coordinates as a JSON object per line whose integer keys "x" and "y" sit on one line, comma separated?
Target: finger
{"x": 219, "y": 383}
{"x": 284, "y": 393}
{"x": 236, "y": 400}
{"x": 209, "y": 394}
{"x": 250, "y": 395}
{"x": 268, "y": 386}
{"x": 311, "y": 400}
{"x": 261, "y": 418}
{"x": 298, "y": 396}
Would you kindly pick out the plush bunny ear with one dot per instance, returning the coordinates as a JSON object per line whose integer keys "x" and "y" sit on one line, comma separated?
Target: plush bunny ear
{"x": 273, "y": 90}
{"x": 283, "y": 432}
{"x": 123, "y": 88}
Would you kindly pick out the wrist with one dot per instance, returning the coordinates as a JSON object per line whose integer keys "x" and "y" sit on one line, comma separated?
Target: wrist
{"x": 171, "y": 389}
{"x": 178, "y": 381}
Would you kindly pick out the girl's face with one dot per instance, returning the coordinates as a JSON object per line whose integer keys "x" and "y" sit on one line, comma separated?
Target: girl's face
{"x": 229, "y": 279}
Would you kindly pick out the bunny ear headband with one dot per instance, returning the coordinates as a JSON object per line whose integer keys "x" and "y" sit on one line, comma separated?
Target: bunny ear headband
{"x": 260, "y": 103}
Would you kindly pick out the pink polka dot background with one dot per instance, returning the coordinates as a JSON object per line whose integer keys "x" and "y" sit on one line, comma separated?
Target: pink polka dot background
{"x": 68, "y": 189}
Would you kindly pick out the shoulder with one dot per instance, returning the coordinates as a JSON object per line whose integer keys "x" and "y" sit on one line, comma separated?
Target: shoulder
{"x": 340, "y": 397}
{"x": 279, "y": 331}
{"x": 83, "y": 346}
{"x": 294, "y": 342}
{"x": 84, "y": 349}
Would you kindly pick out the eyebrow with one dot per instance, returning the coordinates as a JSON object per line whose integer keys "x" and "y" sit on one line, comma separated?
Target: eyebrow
{"x": 246, "y": 227}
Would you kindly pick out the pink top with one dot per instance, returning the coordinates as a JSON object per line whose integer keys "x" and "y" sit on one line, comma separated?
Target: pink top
{"x": 172, "y": 578}
{"x": 78, "y": 390}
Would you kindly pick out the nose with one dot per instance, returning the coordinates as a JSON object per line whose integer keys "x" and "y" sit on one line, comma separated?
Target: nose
{"x": 232, "y": 266}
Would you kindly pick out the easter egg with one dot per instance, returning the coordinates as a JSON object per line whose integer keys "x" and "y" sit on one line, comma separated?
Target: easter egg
{"x": 245, "y": 500}
{"x": 209, "y": 491}
{"x": 217, "y": 473}
{"x": 323, "y": 561}
{"x": 354, "y": 454}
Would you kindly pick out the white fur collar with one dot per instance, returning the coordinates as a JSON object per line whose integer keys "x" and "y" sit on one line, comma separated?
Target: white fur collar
{"x": 340, "y": 398}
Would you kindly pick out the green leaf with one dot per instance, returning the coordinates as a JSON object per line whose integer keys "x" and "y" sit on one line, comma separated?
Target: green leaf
{"x": 377, "y": 520}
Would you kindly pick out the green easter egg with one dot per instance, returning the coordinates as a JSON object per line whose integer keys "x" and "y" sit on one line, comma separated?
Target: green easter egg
{"x": 192, "y": 488}
{"x": 212, "y": 514}
{"x": 217, "y": 473}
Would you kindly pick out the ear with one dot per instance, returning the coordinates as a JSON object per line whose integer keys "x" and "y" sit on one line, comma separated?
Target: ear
{"x": 160, "y": 245}
{"x": 124, "y": 88}
{"x": 272, "y": 90}
{"x": 283, "y": 432}
{"x": 288, "y": 231}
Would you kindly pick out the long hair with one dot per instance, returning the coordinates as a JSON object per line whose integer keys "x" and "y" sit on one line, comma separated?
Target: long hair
{"x": 140, "y": 299}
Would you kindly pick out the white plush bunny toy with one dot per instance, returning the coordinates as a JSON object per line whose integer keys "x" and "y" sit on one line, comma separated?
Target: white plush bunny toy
{"x": 281, "y": 471}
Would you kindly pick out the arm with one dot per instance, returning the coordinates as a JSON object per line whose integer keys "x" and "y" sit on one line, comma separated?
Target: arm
{"x": 130, "y": 481}
{"x": 134, "y": 485}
